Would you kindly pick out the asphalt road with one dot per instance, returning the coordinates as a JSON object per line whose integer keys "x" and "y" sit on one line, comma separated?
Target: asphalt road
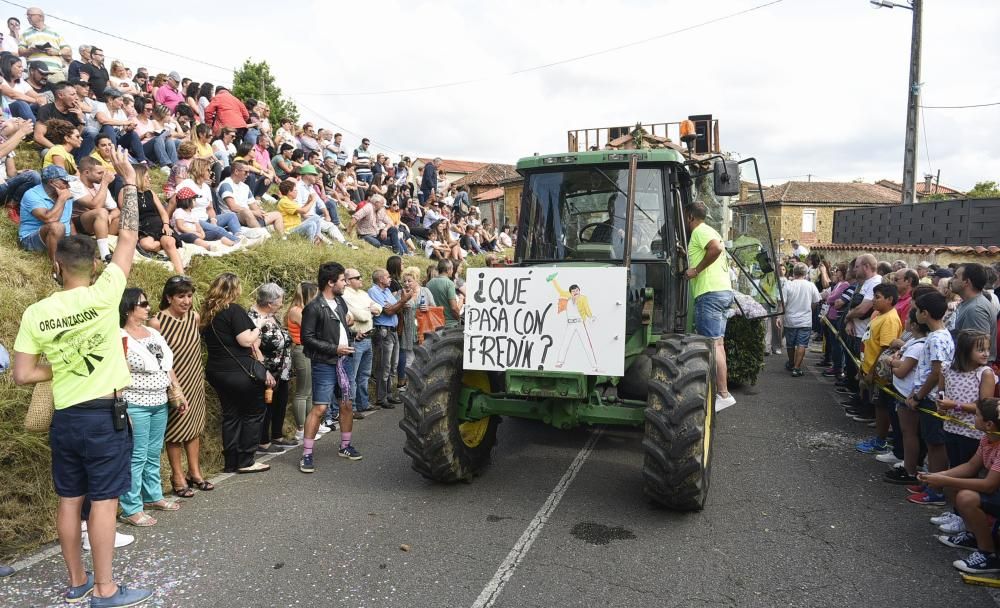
{"x": 795, "y": 517}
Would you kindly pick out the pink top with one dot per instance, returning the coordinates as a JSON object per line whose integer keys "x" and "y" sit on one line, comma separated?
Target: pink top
{"x": 832, "y": 313}
{"x": 168, "y": 97}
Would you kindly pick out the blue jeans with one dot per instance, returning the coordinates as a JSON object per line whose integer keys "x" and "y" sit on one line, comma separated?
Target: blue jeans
{"x": 710, "y": 313}
{"x": 148, "y": 426}
{"x": 392, "y": 240}
{"x": 331, "y": 208}
{"x": 361, "y": 372}
{"x": 309, "y": 228}
{"x": 226, "y": 225}
{"x": 128, "y": 139}
{"x": 21, "y": 109}
{"x": 836, "y": 350}
{"x": 367, "y": 178}
{"x": 14, "y": 188}
{"x": 162, "y": 149}
{"x": 89, "y": 139}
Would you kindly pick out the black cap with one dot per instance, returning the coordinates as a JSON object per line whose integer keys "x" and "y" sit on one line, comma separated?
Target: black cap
{"x": 41, "y": 66}
{"x": 942, "y": 273}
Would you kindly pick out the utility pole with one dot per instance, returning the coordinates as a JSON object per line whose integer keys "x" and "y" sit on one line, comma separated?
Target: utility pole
{"x": 912, "y": 110}
{"x": 912, "y": 99}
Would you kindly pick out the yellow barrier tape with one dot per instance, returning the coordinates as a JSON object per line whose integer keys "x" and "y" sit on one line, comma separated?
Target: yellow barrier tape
{"x": 892, "y": 392}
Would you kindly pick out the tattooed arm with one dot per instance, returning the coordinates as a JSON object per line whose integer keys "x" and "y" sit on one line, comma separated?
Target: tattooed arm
{"x": 128, "y": 232}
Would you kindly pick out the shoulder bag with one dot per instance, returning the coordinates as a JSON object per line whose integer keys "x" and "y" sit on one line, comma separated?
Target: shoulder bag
{"x": 257, "y": 371}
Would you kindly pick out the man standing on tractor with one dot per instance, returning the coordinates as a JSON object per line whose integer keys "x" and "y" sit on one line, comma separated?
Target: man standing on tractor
{"x": 708, "y": 270}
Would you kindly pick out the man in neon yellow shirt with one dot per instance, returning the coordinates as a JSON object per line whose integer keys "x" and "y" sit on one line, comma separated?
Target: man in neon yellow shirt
{"x": 708, "y": 270}
{"x": 77, "y": 331}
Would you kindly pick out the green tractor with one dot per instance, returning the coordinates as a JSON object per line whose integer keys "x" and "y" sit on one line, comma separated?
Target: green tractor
{"x": 613, "y": 222}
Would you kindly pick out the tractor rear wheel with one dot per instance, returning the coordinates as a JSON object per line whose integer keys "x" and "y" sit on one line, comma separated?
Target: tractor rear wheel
{"x": 679, "y": 419}
{"x": 441, "y": 446}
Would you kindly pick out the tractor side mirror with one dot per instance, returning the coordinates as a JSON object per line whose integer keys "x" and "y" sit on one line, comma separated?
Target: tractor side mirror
{"x": 726, "y": 178}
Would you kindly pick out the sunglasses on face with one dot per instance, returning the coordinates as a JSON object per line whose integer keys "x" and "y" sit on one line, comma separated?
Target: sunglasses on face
{"x": 353, "y": 278}
{"x": 143, "y": 304}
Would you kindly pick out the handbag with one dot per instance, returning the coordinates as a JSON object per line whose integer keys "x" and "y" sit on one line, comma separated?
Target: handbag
{"x": 38, "y": 418}
{"x": 257, "y": 371}
{"x": 428, "y": 321}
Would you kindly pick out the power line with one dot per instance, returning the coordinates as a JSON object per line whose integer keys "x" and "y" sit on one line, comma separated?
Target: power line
{"x": 130, "y": 41}
{"x": 975, "y": 105}
{"x": 345, "y": 129}
{"x": 543, "y": 66}
{"x": 927, "y": 149}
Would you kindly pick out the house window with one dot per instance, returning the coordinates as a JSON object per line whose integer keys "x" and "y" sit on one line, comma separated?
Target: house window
{"x": 809, "y": 220}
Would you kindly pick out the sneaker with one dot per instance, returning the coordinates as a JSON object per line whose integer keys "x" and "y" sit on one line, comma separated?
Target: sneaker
{"x": 285, "y": 443}
{"x": 79, "y": 593}
{"x": 916, "y": 488}
{"x": 978, "y": 563}
{"x": 962, "y": 540}
{"x": 121, "y": 540}
{"x": 722, "y": 403}
{"x": 322, "y": 430}
{"x": 864, "y": 417}
{"x": 788, "y": 366}
{"x": 831, "y": 373}
{"x": 360, "y": 415}
{"x": 898, "y": 476}
{"x": 955, "y": 526}
{"x": 306, "y": 464}
{"x": 929, "y": 499}
{"x": 271, "y": 449}
{"x": 850, "y": 412}
{"x": 874, "y": 445}
{"x": 349, "y": 452}
{"x": 124, "y": 597}
{"x": 267, "y": 198}
{"x": 300, "y": 435}
{"x": 888, "y": 458}
{"x": 796, "y": 373}
{"x": 777, "y": 351}
{"x": 946, "y": 517}
{"x": 823, "y": 363}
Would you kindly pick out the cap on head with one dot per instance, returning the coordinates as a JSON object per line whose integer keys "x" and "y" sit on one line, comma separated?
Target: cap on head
{"x": 56, "y": 172}
{"x": 186, "y": 193}
{"x": 925, "y": 264}
{"x": 174, "y": 76}
{"x": 112, "y": 92}
{"x": 41, "y": 66}
{"x": 308, "y": 169}
{"x": 943, "y": 273}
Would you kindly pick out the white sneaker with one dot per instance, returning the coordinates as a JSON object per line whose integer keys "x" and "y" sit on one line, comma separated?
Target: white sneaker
{"x": 888, "y": 458}
{"x": 300, "y": 435}
{"x": 121, "y": 540}
{"x": 954, "y": 526}
{"x": 267, "y": 198}
{"x": 722, "y": 403}
{"x": 945, "y": 518}
{"x": 323, "y": 430}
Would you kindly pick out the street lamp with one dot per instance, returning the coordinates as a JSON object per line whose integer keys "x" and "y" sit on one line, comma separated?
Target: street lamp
{"x": 912, "y": 99}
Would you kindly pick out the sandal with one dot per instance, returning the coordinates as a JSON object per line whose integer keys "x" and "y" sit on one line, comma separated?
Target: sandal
{"x": 162, "y": 505}
{"x": 183, "y": 492}
{"x": 143, "y": 519}
{"x": 203, "y": 485}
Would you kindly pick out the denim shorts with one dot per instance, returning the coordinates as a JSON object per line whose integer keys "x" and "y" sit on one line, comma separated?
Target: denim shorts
{"x": 32, "y": 242}
{"x": 329, "y": 382}
{"x": 797, "y": 337}
{"x": 89, "y": 457}
{"x": 990, "y": 503}
{"x": 710, "y": 313}
{"x": 931, "y": 427}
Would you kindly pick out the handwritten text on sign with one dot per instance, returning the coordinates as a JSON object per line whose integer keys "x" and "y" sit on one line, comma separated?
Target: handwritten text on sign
{"x": 544, "y": 318}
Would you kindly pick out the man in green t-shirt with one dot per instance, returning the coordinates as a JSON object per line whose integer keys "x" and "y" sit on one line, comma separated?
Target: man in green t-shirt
{"x": 77, "y": 330}
{"x": 708, "y": 270}
{"x": 442, "y": 287}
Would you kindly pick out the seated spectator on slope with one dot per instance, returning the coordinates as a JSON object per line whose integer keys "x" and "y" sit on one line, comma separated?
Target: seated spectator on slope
{"x": 120, "y": 80}
{"x": 223, "y": 147}
{"x": 373, "y": 225}
{"x": 168, "y": 94}
{"x": 13, "y": 185}
{"x": 65, "y": 106}
{"x": 66, "y": 138}
{"x": 155, "y": 233}
{"x": 18, "y": 95}
{"x": 188, "y": 226}
{"x": 215, "y": 224}
{"x": 201, "y": 136}
{"x": 468, "y": 240}
{"x": 286, "y": 134}
{"x": 46, "y": 210}
{"x": 282, "y": 162}
{"x": 298, "y": 219}
{"x": 236, "y": 197}
{"x": 157, "y": 141}
{"x": 116, "y": 124}
{"x": 261, "y": 173}
{"x": 306, "y": 191}
{"x": 95, "y": 212}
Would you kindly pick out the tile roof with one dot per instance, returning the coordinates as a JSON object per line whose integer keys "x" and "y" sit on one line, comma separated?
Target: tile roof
{"x": 832, "y": 193}
{"x": 921, "y": 188}
{"x": 456, "y": 166}
{"x": 921, "y": 249}
{"x": 490, "y": 175}
{"x": 489, "y": 195}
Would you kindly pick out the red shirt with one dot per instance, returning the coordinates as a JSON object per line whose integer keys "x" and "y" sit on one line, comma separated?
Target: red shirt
{"x": 226, "y": 111}
{"x": 903, "y": 307}
{"x": 990, "y": 452}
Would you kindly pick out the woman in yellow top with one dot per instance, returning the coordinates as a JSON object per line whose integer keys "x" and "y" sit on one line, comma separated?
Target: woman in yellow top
{"x": 201, "y": 136}
{"x": 67, "y": 138}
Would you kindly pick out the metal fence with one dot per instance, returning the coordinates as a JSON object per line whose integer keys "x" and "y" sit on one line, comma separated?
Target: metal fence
{"x": 955, "y": 222}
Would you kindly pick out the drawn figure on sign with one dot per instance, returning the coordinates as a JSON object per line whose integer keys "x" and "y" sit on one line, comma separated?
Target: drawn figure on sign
{"x": 578, "y": 315}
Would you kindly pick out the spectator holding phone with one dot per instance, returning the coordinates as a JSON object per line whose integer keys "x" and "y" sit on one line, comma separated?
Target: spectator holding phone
{"x": 41, "y": 43}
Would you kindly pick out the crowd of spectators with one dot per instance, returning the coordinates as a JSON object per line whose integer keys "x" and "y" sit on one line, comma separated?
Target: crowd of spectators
{"x": 226, "y": 165}
{"x": 913, "y": 354}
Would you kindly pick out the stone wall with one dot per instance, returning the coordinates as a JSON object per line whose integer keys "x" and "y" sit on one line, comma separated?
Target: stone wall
{"x": 942, "y": 256}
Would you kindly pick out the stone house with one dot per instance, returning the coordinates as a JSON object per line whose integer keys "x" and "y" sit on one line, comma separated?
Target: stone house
{"x": 803, "y": 211}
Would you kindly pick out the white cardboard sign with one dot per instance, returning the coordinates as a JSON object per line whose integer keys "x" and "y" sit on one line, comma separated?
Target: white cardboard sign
{"x": 546, "y": 318}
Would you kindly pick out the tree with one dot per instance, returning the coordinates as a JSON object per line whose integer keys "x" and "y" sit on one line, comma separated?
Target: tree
{"x": 254, "y": 80}
{"x": 984, "y": 190}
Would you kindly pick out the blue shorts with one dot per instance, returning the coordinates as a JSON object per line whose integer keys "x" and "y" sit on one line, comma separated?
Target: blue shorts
{"x": 710, "y": 313}
{"x": 990, "y": 503}
{"x": 931, "y": 427}
{"x": 797, "y": 337}
{"x": 32, "y": 242}
{"x": 89, "y": 457}
{"x": 329, "y": 382}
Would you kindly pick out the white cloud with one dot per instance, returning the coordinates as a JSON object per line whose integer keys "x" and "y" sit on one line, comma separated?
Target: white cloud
{"x": 806, "y": 86}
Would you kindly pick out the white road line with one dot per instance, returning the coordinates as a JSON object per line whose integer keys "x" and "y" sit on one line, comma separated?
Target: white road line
{"x": 491, "y": 592}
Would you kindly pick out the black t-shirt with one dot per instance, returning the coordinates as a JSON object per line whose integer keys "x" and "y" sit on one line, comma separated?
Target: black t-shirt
{"x": 225, "y": 326}
{"x": 99, "y": 78}
{"x": 50, "y": 111}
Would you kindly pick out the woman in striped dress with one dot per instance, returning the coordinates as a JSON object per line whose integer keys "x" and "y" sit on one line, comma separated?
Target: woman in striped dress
{"x": 178, "y": 323}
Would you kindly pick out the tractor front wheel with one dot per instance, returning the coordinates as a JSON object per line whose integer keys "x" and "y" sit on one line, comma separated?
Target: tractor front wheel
{"x": 679, "y": 419}
{"x": 442, "y": 446}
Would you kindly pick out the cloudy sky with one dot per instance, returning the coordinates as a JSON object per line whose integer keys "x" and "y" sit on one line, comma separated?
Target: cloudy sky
{"x": 805, "y": 86}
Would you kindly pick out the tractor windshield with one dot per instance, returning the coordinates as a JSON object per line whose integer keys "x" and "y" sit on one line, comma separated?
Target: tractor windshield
{"x": 579, "y": 214}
